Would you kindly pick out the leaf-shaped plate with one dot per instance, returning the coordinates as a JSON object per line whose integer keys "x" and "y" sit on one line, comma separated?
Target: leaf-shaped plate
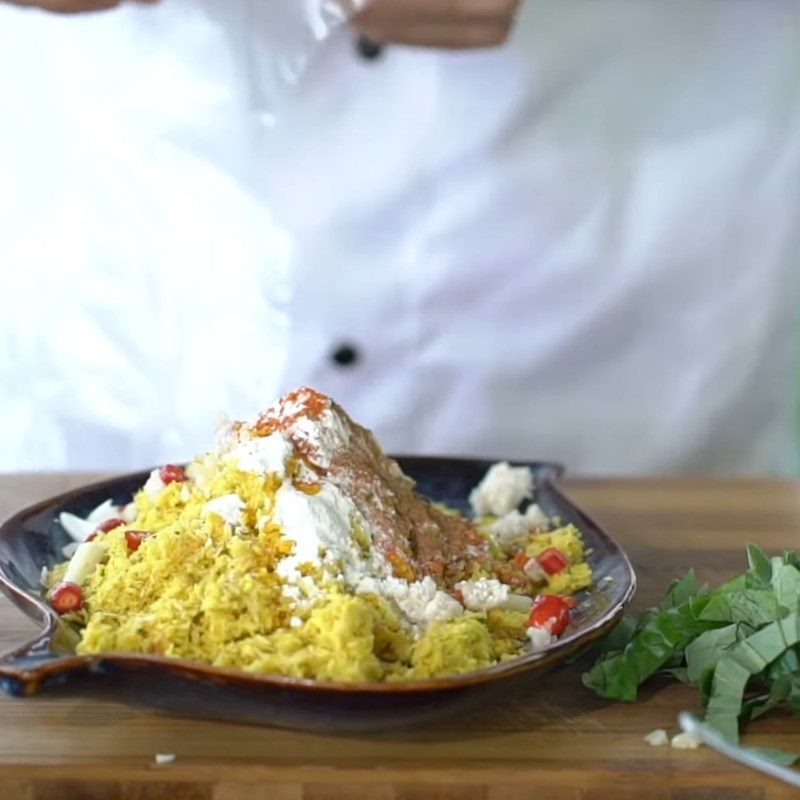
{"x": 33, "y": 539}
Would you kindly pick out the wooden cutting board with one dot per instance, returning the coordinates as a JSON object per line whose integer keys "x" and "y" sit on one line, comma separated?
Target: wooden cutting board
{"x": 551, "y": 741}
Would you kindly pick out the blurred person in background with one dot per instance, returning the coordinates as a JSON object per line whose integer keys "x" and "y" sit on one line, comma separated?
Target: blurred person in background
{"x": 561, "y": 228}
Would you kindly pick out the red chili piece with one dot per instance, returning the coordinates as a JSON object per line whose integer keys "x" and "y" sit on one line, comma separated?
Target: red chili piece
{"x": 135, "y": 539}
{"x": 109, "y": 525}
{"x": 551, "y": 613}
{"x": 552, "y": 560}
{"x": 67, "y": 597}
{"x": 170, "y": 473}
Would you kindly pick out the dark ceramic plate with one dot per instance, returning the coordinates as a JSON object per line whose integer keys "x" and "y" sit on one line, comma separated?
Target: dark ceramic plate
{"x": 33, "y": 539}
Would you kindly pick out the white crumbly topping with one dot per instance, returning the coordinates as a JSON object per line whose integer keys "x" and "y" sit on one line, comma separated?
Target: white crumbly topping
{"x": 657, "y": 738}
{"x": 534, "y": 571}
{"x": 685, "y": 741}
{"x": 229, "y": 507}
{"x": 442, "y": 608}
{"x": 514, "y": 527}
{"x": 227, "y": 434}
{"x": 154, "y": 485}
{"x": 292, "y": 591}
{"x": 165, "y": 758}
{"x": 303, "y": 587}
{"x": 202, "y": 470}
{"x": 84, "y": 562}
{"x": 263, "y": 455}
{"x": 368, "y": 585}
{"x": 536, "y": 518}
{"x": 321, "y": 527}
{"x": 325, "y": 436}
{"x": 483, "y": 593}
{"x": 540, "y": 638}
{"x": 128, "y": 512}
{"x": 421, "y": 602}
{"x": 502, "y": 489}
{"x": 43, "y": 576}
{"x": 305, "y": 519}
{"x": 510, "y": 529}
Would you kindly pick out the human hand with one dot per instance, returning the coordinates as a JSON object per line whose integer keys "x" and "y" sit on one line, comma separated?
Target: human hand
{"x": 453, "y": 24}
{"x": 73, "y": 6}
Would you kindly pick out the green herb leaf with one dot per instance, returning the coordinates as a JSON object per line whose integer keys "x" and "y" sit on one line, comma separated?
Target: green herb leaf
{"x": 791, "y": 558}
{"x": 733, "y": 672}
{"x": 738, "y": 644}
{"x": 618, "y": 676}
{"x": 787, "y": 664}
{"x": 786, "y": 584}
{"x": 779, "y": 691}
{"x": 760, "y": 565}
{"x": 725, "y": 700}
{"x": 753, "y": 607}
{"x": 619, "y": 637}
{"x": 680, "y": 591}
{"x": 705, "y": 651}
{"x": 679, "y": 673}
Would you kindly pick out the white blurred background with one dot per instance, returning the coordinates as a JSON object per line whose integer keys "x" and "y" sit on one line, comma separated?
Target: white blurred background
{"x": 582, "y": 245}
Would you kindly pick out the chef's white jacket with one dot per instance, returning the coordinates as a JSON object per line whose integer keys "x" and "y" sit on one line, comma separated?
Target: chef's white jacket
{"x": 582, "y": 245}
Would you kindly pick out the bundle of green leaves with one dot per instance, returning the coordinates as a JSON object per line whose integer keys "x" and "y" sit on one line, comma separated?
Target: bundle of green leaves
{"x": 739, "y": 644}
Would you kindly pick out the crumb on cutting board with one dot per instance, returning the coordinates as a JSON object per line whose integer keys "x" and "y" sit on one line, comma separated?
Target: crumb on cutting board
{"x": 657, "y": 738}
{"x": 685, "y": 741}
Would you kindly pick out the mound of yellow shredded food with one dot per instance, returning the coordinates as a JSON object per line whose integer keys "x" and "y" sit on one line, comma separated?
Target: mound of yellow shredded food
{"x": 282, "y": 562}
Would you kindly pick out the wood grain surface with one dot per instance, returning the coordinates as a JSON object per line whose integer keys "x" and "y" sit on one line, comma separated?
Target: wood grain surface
{"x": 552, "y": 740}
